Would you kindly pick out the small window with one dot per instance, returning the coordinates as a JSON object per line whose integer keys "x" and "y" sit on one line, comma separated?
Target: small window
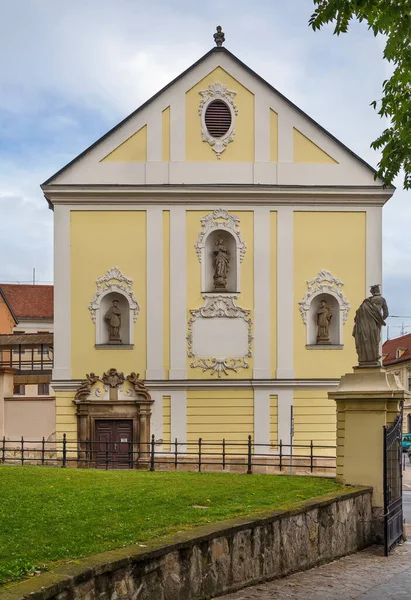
{"x": 18, "y": 351}
{"x": 217, "y": 118}
{"x": 19, "y": 390}
{"x": 43, "y": 389}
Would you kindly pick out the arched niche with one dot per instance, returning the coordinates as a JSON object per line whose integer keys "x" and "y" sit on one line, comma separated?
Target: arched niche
{"x": 114, "y": 289}
{"x": 220, "y": 224}
{"x": 224, "y": 238}
{"x": 108, "y": 300}
{"x": 335, "y": 324}
{"x": 324, "y": 287}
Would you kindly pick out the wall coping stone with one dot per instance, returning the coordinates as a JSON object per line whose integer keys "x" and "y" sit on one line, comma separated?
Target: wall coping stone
{"x": 64, "y": 577}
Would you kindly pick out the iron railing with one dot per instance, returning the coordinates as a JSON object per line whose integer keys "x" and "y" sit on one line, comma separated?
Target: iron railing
{"x": 200, "y": 455}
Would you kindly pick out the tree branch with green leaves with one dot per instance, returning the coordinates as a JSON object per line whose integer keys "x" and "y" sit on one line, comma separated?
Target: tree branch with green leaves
{"x": 391, "y": 18}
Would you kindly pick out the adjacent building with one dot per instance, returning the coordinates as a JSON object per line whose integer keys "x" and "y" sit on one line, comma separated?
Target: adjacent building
{"x": 396, "y": 358}
{"x": 27, "y": 403}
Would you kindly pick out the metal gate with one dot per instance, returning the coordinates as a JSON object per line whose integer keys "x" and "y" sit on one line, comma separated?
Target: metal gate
{"x": 393, "y": 518}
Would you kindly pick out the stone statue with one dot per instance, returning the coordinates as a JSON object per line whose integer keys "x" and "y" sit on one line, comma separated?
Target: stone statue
{"x": 324, "y": 315}
{"x": 219, "y": 36}
{"x": 113, "y": 319}
{"x": 221, "y": 264}
{"x": 369, "y": 319}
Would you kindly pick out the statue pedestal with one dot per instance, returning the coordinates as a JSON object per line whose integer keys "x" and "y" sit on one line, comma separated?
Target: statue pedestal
{"x": 367, "y": 399}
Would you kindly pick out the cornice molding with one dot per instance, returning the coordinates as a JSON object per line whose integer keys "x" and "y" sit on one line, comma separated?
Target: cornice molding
{"x": 217, "y": 194}
{"x": 214, "y": 384}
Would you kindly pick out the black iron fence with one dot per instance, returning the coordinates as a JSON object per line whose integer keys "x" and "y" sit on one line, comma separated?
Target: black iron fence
{"x": 200, "y": 455}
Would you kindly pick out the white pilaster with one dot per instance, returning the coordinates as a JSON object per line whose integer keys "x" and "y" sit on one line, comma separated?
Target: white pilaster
{"x": 62, "y": 312}
{"x": 262, "y": 419}
{"x": 373, "y": 266}
{"x": 155, "y": 293}
{"x": 285, "y": 137}
{"x": 178, "y": 301}
{"x": 179, "y": 418}
{"x": 178, "y": 128}
{"x": 262, "y": 130}
{"x": 154, "y": 136}
{"x": 262, "y": 292}
{"x": 285, "y": 292}
{"x": 285, "y": 402}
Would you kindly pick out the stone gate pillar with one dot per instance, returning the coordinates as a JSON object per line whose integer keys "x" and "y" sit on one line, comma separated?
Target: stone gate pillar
{"x": 367, "y": 399}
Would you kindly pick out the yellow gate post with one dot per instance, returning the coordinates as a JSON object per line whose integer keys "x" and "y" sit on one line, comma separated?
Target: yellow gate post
{"x": 366, "y": 399}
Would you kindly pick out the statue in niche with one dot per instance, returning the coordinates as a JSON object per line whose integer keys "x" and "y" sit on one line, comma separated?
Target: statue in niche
{"x": 324, "y": 315}
{"x": 221, "y": 264}
{"x": 113, "y": 320}
{"x": 368, "y": 321}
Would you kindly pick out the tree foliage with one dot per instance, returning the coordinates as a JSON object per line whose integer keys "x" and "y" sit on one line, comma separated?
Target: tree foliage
{"x": 392, "y": 18}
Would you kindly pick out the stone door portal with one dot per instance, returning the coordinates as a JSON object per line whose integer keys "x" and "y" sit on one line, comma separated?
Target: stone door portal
{"x": 114, "y": 443}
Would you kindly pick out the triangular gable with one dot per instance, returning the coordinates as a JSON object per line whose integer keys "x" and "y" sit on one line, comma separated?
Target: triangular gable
{"x": 305, "y": 151}
{"x": 134, "y": 149}
{"x": 273, "y": 141}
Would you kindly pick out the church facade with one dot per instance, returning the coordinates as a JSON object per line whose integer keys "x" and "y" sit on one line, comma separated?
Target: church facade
{"x": 217, "y": 242}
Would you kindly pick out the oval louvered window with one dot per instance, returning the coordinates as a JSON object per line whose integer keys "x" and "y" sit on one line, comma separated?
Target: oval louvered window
{"x": 217, "y": 118}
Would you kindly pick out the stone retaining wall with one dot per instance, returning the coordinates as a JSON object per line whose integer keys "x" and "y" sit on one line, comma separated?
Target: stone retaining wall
{"x": 216, "y": 559}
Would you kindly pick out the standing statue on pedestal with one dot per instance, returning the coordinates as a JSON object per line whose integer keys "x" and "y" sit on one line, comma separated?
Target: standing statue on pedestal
{"x": 369, "y": 319}
{"x": 324, "y": 315}
{"x": 221, "y": 264}
{"x": 113, "y": 320}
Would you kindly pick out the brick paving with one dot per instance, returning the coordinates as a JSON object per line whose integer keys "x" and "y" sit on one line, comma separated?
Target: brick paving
{"x": 368, "y": 575}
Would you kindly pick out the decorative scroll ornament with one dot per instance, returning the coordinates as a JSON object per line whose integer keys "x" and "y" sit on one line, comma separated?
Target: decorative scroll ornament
{"x": 220, "y": 219}
{"x": 324, "y": 283}
{"x": 138, "y": 385}
{"x": 114, "y": 281}
{"x": 217, "y": 91}
{"x": 215, "y": 307}
{"x": 112, "y": 379}
{"x": 85, "y": 387}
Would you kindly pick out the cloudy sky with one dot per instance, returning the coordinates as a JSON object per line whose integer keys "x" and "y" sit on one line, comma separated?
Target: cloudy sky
{"x": 71, "y": 69}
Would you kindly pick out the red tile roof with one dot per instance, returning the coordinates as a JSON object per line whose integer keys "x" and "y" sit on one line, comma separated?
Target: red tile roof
{"x": 390, "y": 348}
{"x": 29, "y": 301}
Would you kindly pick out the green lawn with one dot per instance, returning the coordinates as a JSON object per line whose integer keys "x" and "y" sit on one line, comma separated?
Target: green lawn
{"x": 49, "y": 514}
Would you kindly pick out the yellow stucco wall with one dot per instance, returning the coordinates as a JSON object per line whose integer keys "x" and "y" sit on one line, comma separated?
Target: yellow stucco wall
{"x": 242, "y": 148}
{"x": 273, "y": 293}
{"x": 314, "y": 419}
{"x": 274, "y": 419}
{"x": 166, "y": 292}
{"x": 166, "y": 423}
{"x": 334, "y": 241}
{"x": 305, "y": 151}
{"x": 101, "y": 240}
{"x": 214, "y": 415}
{"x": 273, "y": 136}
{"x": 245, "y": 297}
{"x": 166, "y": 134}
{"x": 134, "y": 149}
{"x": 66, "y": 419}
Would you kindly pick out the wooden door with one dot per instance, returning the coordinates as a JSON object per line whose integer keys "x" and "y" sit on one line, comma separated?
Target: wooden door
{"x": 114, "y": 444}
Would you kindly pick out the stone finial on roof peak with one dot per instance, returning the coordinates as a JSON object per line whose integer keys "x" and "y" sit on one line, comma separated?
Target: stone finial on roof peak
{"x": 219, "y": 36}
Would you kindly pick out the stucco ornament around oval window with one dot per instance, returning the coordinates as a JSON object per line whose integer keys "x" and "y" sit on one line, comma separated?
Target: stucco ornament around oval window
{"x": 218, "y": 112}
